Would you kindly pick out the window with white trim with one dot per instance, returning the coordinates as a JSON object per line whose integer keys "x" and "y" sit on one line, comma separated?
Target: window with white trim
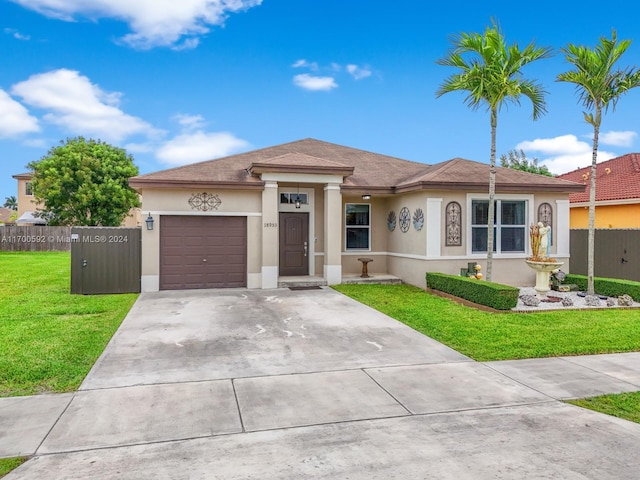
{"x": 510, "y": 226}
{"x": 28, "y": 189}
{"x": 357, "y": 226}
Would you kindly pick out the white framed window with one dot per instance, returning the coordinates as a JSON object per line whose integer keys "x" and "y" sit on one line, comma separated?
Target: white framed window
{"x": 357, "y": 226}
{"x": 28, "y": 189}
{"x": 510, "y": 224}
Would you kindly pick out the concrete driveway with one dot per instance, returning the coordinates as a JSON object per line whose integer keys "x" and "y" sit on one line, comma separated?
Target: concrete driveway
{"x": 242, "y": 384}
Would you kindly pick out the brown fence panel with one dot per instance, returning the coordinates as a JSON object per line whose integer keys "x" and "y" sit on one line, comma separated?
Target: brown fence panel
{"x": 36, "y": 238}
{"x": 105, "y": 260}
{"x": 616, "y": 253}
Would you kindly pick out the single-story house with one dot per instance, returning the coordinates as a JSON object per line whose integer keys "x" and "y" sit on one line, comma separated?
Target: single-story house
{"x": 312, "y": 208}
{"x": 617, "y": 193}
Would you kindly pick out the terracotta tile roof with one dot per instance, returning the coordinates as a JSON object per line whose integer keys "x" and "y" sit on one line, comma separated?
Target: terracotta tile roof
{"x": 616, "y": 179}
{"x": 363, "y": 171}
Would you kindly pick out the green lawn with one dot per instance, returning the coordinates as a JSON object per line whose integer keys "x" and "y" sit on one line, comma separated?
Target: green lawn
{"x": 8, "y": 464}
{"x": 486, "y": 336}
{"x": 50, "y": 338}
{"x": 623, "y": 405}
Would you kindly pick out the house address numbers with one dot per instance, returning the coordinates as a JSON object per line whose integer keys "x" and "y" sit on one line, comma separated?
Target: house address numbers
{"x": 270, "y": 225}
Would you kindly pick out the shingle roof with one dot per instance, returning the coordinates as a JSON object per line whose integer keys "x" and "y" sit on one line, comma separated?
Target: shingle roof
{"x": 362, "y": 171}
{"x": 616, "y": 179}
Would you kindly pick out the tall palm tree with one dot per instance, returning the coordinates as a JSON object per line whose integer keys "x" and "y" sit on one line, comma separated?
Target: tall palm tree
{"x": 11, "y": 202}
{"x": 599, "y": 87}
{"x": 491, "y": 73}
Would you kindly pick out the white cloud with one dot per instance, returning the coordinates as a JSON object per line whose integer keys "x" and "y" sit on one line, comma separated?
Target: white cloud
{"x": 618, "y": 139}
{"x": 359, "y": 72}
{"x": 79, "y": 106}
{"x": 153, "y": 22}
{"x": 562, "y": 154}
{"x": 199, "y": 146}
{"x": 15, "y": 119}
{"x": 302, "y": 63}
{"x": 315, "y": 83}
{"x": 16, "y": 34}
{"x": 189, "y": 122}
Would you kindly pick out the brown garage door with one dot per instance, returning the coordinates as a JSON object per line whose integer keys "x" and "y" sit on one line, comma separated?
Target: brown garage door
{"x": 202, "y": 252}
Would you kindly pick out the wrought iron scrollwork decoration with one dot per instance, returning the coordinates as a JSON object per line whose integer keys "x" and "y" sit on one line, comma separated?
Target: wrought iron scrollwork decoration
{"x": 405, "y": 219}
{"x": 204, "y": 202}
{"x": 454, "y": 224}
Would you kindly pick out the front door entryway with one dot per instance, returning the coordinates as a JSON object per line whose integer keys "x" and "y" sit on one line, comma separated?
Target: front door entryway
{"x": 294, "y": 244}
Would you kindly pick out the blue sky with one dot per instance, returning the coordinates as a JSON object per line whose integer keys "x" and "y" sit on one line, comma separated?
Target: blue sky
{"x": 180, "y": 82}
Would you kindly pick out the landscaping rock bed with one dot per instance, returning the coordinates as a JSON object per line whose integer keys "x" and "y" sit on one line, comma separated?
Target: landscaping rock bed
{"x": 568, "y": 300}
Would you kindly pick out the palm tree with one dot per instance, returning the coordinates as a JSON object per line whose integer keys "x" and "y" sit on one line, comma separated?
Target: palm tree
{"x": 599, "y": 87}
{"x": 491, "y": 73}
{"x": 11, "y": 202}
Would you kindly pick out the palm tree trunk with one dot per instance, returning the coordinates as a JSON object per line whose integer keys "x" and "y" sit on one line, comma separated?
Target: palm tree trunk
{"x": 492, "y": 193}
{"x": 592, "y": 208}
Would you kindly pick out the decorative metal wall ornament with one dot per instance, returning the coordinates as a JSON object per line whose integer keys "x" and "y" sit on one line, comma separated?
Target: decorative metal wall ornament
{"x": 391, "y": 221}
{"x": 545, "y": 214}
{"x": 454, "y": 224}
{"x": 405, "y": 219}
{"x": 205, "y": 202}
{"x": 418, "y": 219}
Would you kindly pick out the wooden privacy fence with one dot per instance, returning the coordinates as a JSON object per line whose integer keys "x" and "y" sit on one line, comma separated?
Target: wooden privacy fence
{"x": 37, "y": 238}
{"x": 616, "y": 253}
{"x": 105, "y": 260}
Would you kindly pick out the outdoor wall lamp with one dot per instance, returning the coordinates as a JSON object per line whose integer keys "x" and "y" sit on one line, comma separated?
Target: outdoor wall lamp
{"x": 298, "y": 203}
{"x": 149, "y": 222}
{"x": 366, "y": 196}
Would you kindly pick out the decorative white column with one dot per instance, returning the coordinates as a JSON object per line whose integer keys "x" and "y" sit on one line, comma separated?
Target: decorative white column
{"x": 332, "y": 234}
{"x": 563, "y": 226}
{"x": 270, "y": 235}
{"x": 433, "y": 222}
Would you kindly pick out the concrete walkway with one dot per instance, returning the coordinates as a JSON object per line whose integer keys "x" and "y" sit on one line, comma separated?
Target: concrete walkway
{"x": 238, "y": 384}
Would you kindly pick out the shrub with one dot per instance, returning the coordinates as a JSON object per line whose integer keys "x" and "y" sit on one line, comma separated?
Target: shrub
{"x": 494, "y": 295}
{"x": 611, "y": 287}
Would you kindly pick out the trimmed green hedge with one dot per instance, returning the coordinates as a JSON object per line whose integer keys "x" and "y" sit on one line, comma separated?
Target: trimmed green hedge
{"x": 611, "y": 287}
{"x": 494, "y": 295}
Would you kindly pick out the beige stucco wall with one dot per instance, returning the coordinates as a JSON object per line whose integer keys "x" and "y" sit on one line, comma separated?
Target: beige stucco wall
{"x": 26, "y": 203}
{"x": 161, "y": 202}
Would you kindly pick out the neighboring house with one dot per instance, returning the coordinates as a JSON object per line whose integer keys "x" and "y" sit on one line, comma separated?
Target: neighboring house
{"x": 7, "y": 216}
{"x": 311, "y": 208}
{"x": 27, "y": 205}
{"x": 617, "y": 193}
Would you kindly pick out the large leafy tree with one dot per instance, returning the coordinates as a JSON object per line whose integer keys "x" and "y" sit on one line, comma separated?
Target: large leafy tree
{"x": 84, "y": 182}
{"x": 599, "y": 85}
{"x": 517, "y": 160}
{"x": 490, "y": 72}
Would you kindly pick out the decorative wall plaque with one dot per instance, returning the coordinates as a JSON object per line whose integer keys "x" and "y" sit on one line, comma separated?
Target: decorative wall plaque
{"x": 545, "y": 214}
{"x": 418, "y": 219}
{"x": 454, "y": 224}
{"x": 205, "y": 202}
{"x": 405, "y": 219}
{"x": 391, "y": 221}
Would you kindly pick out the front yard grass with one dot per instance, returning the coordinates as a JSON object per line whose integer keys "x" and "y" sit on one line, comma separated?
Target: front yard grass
{"x": 486, "y": 336}
{"x": 622, "y": 405}
{"x": 8, "y": 464}
{"x": 50, "y": 338}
